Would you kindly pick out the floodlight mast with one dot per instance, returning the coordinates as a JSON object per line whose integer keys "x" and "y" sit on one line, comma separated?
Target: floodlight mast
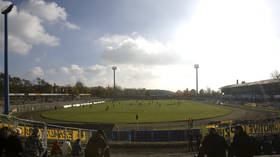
{"x": 196, "y": 66}
{"x": 114, "y": 68}
{"x": 5, "y": 11}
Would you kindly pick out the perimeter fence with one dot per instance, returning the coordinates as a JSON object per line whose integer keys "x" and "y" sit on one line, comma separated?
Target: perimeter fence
{"x": 57, "y": 132}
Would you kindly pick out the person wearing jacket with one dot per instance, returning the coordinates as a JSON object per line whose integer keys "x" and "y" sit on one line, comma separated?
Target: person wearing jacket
{"x": 241, "y": 145}
{"x": 66, "y": 148}
{"x": 97, "y": 146}
{"x": 4, "y": 135}
{"x": 77, "y": 148}
{"x": 14, "y": 144}
{"x": 56, "y": 149}
{"x": 33, "y": 145}
{"x": 214, "y": 145}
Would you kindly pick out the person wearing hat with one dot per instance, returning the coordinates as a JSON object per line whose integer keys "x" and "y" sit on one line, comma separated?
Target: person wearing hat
{"x": 33, "y": 145}
{"x": 214, "y": 145}
{"x": 14, "y": 144}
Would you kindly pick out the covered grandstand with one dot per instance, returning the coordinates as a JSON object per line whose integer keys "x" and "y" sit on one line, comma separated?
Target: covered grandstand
{"x": 259, "y": 91}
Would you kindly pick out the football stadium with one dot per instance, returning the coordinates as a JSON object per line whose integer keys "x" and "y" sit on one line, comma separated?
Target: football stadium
{"x": 139, "y": 78}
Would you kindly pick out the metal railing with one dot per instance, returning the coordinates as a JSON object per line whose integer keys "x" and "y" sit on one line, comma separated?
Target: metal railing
{"x": 47, "y": 131}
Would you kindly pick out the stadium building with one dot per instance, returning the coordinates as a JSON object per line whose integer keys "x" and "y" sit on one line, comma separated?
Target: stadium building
{"x": 259, "y": 91}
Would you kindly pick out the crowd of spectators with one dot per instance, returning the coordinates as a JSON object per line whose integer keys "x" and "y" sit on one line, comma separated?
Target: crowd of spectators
{"x": 212, "y": 145}
{"x": 12, "y": 145}
{"x": 266, "y": 144}
{"x": 242, "y": 145}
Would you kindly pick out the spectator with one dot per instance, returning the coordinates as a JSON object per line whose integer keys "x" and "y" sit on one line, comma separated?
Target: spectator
{"x": 97, "y": 146}
{"x": 107, "y": 148}
{"x": 258, "y": 145}
{"x": 66, "y": 148}
{"x": 190, "y": 142}
{"x": 56, "y": 149}
{"x": 198, "y": 141}
{"x": 227, "y": 138}
{"x": 14, "y": 144}
{"x": 77, "y": 148}
{"x": 254, "y": 145}
{"x": 276, "y": 144}
{"x": 4, "y": 134}
{"x": 267, "y": 145}
{"x": 33, "y": 145}
{"x": 214, "y": 145}
{"x": 241, "y": 145}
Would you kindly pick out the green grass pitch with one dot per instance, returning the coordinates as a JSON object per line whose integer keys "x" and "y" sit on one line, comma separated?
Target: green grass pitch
{"x": 147, "y": 110}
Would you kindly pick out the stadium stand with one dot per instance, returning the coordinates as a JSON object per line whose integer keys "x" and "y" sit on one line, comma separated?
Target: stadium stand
{"x": 259, "y": 91}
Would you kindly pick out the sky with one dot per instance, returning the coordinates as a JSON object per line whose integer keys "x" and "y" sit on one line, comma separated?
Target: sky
{"x": 154, "y": 44}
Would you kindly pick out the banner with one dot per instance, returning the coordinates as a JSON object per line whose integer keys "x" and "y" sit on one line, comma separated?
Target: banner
{"x": 252, "y": 128}
{"x": 52, "y": 134}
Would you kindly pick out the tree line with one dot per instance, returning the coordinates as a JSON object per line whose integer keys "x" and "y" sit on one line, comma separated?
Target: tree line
{"x": 39, "y": 85}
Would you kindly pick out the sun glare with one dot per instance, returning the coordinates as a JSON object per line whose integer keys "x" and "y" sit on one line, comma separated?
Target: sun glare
{"x": 223, "y": 32}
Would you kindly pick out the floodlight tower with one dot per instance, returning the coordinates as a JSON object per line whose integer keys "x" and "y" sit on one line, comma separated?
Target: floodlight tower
{"x": 196, "y": 66}
{"x": 5, "y": 11}
{"x": 114, "y": 68}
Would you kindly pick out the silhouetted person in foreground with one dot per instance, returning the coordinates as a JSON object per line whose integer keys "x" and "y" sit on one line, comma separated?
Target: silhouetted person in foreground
{"x": 190, "y": 142}
{"x": 198, "y": 141}
{"x": 276, "y": 144}
{"x": 14, "y": 145}
{"x": 4, "y": 134}
{"x": 214, "y": 145}
{"x": 242, "y": 145}
{"x": 267, "y": 145}
{"x": 97, "y": 146}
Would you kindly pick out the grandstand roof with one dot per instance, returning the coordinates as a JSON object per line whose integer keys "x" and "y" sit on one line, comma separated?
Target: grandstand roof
{"x": 262, "y": 82}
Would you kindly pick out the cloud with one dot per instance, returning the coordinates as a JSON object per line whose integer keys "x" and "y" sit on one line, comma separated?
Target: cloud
{"x": 35, "y": 72}
{"x": 51, "y": 71}
{"x": 64, "y": 70}
{"x": 121, "y": 49}
{"x": 29, "y": 28}
{"x": 48, "y": 11}
{"x": 26, "y": 24}
{"x": 76, "y": 69}
{"x": 18, "y": 45}
{"x": 96, "y": 69}
{"x": 127, "y": 76}
{"x": 141, "y": 63}
{"x": 72, "y": 26}
{"x": 25, "y": 30}
{"x": 37, "y": 59}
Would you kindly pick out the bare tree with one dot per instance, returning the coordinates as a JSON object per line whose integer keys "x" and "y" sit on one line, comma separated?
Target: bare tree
{"x": 275, "y": 75}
